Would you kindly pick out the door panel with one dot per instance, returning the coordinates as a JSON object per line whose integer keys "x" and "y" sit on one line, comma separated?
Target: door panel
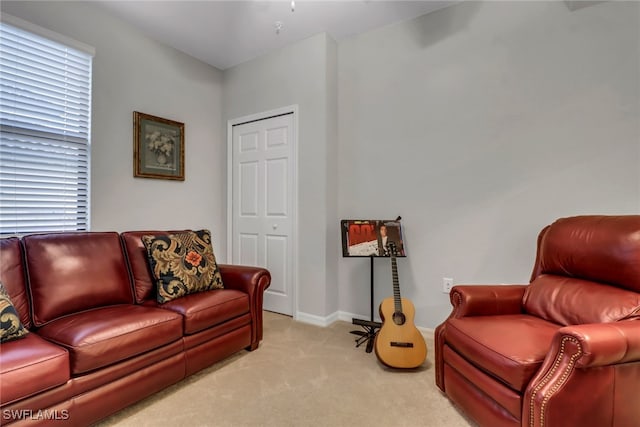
{"x": 276, "y": 250}
{"x": 263, "y": 204}
{"x": 276, "y": 194}
{"x": 249, "y": 188}
{"x": 248, "y": 249}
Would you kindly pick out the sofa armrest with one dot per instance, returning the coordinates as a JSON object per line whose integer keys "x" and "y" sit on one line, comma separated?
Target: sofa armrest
{"x": 590, "y": 364}
{"x": 245, "y": 278}
{"x": 254, "y": 281}
{"x": 486, "y": 300}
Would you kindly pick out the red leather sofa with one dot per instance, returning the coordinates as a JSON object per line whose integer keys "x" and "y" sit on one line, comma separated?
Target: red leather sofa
{"x": 99, "y": 341}
{"x": 562, "y": 351}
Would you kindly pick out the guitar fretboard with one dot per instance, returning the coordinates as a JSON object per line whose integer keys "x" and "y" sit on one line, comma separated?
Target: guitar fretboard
{"x": 397, "y": 301}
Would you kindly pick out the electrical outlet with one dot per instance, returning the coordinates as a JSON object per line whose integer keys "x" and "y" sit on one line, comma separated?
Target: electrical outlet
{"x": 447, "y": 284}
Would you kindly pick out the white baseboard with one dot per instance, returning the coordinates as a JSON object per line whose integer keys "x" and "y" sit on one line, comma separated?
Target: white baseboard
{"x": 344, "y": 316}
{"x": 348, "y": 317}
{"x": 313, "y": 319}
{"x": 328, "y": 320}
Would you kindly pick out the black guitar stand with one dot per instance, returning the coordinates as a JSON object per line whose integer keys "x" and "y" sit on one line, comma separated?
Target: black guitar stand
{"x": 370, "y": 327}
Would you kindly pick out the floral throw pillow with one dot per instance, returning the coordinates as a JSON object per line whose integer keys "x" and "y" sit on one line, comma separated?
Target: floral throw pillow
{"x": 182, "y": 264}
{"x": 10, "y": 326}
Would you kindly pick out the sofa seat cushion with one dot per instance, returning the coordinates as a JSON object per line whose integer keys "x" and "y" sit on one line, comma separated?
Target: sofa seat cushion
{"x": 29, "y": 366}
{"x": 107, "y": 335}
{"x": 206, "y": 309}
{"x": 508, "y": 347}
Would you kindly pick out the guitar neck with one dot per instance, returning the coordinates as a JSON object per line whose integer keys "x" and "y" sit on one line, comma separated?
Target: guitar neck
{"x": 397, "y": 301}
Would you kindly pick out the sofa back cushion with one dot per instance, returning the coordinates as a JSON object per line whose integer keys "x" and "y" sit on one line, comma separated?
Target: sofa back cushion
{"x": 587, "y": 270}
{"x": 568, "y": 301}
{"x": 13, "y": 278}
{"x": 599, "y": 248}
{"x": 72, "y": 272}
{"x": 143, "y": 280}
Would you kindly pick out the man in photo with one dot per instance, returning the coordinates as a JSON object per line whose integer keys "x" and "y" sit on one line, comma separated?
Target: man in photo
{"x": 386, "y": 234}
{"x": 383, "y": 239}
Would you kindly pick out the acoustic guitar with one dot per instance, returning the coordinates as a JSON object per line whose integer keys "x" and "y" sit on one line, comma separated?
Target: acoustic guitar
{"x": 399, "y": 344}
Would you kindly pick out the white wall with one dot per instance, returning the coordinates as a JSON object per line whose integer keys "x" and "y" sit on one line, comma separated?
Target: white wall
{"x": 134, "y": 73}
{"x": 479, "y": 124}
{"x": 332, "y": 230}
{"x": 299, "y": 74}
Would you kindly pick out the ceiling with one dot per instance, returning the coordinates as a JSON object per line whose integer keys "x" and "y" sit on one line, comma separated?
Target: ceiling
{"x": 227, "y": 33}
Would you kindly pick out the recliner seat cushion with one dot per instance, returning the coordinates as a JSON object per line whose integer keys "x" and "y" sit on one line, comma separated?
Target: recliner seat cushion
{"x": 31, "y": 365}
{"x": 570, "y": 301}
{"x": 510, "y": 348}
{"x": 107, "y": 335}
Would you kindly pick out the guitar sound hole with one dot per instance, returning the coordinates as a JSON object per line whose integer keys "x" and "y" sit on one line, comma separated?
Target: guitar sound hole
{"x": 398, "y": 318}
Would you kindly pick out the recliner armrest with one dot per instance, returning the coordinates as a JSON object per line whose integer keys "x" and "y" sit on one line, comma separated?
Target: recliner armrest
{"x": 476, "y": 300}
{"x": 486, "y": 300}
{"x": 604, "y": 344}
{"x": 566, "y": 376}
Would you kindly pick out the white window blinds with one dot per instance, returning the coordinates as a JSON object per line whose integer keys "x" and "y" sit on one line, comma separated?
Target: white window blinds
{"x": 45, "y": 104}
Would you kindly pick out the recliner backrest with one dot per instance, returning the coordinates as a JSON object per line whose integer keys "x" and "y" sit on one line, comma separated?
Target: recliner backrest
{"x": 587, "y": 270}
{"x": 600, "y": 248}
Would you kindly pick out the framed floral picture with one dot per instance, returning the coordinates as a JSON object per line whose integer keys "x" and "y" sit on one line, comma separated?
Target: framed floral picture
{"x": 158, "y": 147}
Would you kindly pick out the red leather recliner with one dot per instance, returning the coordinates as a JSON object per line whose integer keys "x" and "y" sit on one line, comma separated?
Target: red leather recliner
{"x": 564, "y": 350}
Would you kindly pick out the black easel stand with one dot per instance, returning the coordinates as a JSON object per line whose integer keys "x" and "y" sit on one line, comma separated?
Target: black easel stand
{"x": 370, "y": 327}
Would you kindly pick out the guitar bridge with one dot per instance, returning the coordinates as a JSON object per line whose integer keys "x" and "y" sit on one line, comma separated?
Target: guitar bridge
{"x": 401, "y": 344}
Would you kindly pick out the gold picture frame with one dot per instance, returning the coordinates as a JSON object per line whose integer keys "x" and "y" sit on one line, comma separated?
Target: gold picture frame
{"x": 158, "y": 147}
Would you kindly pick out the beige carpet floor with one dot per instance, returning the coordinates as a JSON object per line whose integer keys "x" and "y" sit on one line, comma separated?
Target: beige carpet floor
{"x": 301, "y": 375}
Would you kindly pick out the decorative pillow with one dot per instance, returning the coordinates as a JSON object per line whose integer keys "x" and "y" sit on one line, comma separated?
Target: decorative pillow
{"x": 182, "y": 264}
{"x": 10, "y": 326}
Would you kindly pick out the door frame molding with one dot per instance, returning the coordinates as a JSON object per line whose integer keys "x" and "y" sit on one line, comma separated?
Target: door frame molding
{"x": 290, "y": 109}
